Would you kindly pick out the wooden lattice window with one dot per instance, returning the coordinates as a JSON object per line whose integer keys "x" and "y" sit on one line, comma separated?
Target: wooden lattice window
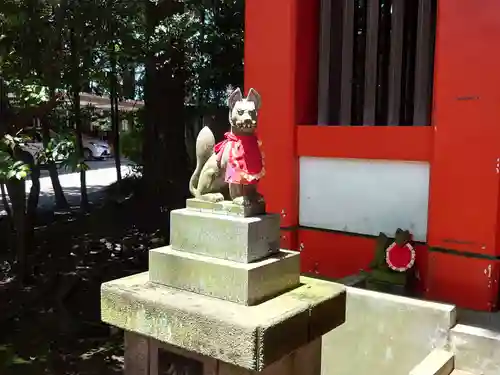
{"x": 376, "y": 62}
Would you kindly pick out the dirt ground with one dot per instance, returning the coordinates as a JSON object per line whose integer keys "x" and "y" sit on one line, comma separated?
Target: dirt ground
{"x": 53, "y": 326}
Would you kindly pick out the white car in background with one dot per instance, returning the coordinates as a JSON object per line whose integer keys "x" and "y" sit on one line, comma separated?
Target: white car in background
{"x": 92, "y": 148}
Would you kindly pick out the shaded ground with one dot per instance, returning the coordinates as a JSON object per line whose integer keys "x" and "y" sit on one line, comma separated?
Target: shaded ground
{"x": 53, "y": 327}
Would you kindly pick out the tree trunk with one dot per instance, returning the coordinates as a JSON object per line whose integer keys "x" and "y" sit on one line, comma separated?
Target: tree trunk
{"x": 61, "y": 202}
{"x": 116, "y": 136}
{"x": 129, "y": 83}
{"x": 16, "y": 190}
{"x": 5, "y": 201}
{"x": 8, "y": 210}
{"x": 60, "y": 198}
{"x": 34, "y": 195}
{"x": 75, "y": 89}
{"x": 84, "y": 199}
{"x": 115, "y": 115}
{"x": 165, "y": 159}
{"x": 32, "y": 206}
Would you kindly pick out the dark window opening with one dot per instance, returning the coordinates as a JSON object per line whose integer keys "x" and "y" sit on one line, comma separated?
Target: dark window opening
{"x": 376, "y": 62}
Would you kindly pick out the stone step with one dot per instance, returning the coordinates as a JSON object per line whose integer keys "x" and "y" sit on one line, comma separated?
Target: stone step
{"x": 473, "y": 344}
{"x": 438, "y": 362}
{"x": 225, "y": 208}
{"x": 243, "y": 283}
{"x": 235, "y": 238}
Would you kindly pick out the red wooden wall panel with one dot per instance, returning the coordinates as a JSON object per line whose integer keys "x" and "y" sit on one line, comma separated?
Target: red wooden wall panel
{"x": 467, "y": 282}
{"x": 463, "y": 211}
{"x": 463, "y": 145}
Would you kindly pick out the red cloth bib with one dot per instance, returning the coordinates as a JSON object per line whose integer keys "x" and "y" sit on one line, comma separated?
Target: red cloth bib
{"x": 245, "y": 163}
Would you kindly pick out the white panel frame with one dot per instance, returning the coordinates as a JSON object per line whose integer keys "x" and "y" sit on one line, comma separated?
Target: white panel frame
{"x": 364, "y": 196}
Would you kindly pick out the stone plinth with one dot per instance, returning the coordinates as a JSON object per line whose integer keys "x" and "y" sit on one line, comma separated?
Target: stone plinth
{"x": 223, "y": 299}
{"x": 225, "y": 208}
{"x": 236, "y": 238}
{"x": 147, "y": 356}
{"x": 245, "y": 337}
{"x": 244, "y": 283}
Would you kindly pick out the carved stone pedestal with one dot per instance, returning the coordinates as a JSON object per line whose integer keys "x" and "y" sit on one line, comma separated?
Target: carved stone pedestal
{"x": 202, "y": 309}
{"x": 145, "y": 356}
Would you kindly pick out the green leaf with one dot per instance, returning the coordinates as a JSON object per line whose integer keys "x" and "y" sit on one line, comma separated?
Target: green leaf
{"x": 16, "y": 360}
{"x": 21, "y": 175}
{"x": 83, "y": 166}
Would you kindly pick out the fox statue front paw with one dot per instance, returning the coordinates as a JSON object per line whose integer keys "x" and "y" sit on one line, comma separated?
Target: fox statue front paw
{"x": 213, "y": 197}
{"x": 242, "y": 201}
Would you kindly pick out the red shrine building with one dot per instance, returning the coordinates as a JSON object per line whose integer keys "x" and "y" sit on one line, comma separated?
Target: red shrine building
{"x": 379, "y": 115}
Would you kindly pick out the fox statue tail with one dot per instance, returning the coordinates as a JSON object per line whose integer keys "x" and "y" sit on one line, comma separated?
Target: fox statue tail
{"x": 205, "y": 143}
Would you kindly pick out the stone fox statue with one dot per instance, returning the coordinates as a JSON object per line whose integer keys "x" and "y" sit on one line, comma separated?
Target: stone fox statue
{"x": 235, "y": 163}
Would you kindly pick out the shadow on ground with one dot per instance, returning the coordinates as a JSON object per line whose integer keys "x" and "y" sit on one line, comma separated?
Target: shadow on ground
{"x": 53, "y": 327}
{"x": 96, "y": 194}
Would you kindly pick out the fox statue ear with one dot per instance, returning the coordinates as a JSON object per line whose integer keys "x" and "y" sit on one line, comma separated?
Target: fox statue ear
{"x": 234, "y": 97}
{"x": 254, "y": 96}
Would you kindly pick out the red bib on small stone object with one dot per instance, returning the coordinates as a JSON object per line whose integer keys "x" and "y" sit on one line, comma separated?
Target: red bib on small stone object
{"x": 245, "y": 163}
{"x": 400, "y": 258}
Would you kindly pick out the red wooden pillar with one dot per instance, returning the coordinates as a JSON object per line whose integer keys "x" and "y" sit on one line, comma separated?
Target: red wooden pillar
{"x": 464, "y": 194}
{"x": 281, "y": 38}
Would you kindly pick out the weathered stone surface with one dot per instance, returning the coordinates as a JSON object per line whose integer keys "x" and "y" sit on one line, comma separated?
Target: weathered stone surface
{"x": 245, "y": 283}
{"x": 240, "y": 239}
{"x": 225, "y": 208}
{"x": 356, "y": 280}
{"x": 303, "y": 361}
{"x": 140, "y": 356}
{"x": 386, "y": 334}
{"x": 477, "y": 350}
{"x": 438, "y": 362}
{"x": 252, "y": 337}
{"x": 326, "y": 312}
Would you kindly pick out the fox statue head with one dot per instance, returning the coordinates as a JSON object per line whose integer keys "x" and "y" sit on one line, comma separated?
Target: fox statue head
{"x": 243, "y": 111}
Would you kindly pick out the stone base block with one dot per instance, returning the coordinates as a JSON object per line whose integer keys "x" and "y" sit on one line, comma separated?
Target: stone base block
{"x": 225, "y": 208}
{"x": 438, "y": 362}
{"x": 146, "y": 356}
{"x": 477, "y": 350}
{"x": 244, "y": 283}
{"x": 240, "y": 239}
{"x": 250, "y": 337}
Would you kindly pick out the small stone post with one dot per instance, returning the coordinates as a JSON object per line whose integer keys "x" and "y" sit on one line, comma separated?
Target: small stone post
{"x": 222, "y": 299}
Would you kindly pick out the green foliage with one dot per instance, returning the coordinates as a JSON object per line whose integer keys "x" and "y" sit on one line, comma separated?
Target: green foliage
{"x": 10, "y": 168}
{"x": 57, "y": 150}
{"x": 60, "y": 149}
{"x": 9, "y": 358}
{"x": 131, "y": 145}
{"x": 35, "y": 46}
{"x": 132, "y": 140}
{"x": 52, "y": 44}
{"x": 106, "y": 47}
{"x": 26, "y": 94}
